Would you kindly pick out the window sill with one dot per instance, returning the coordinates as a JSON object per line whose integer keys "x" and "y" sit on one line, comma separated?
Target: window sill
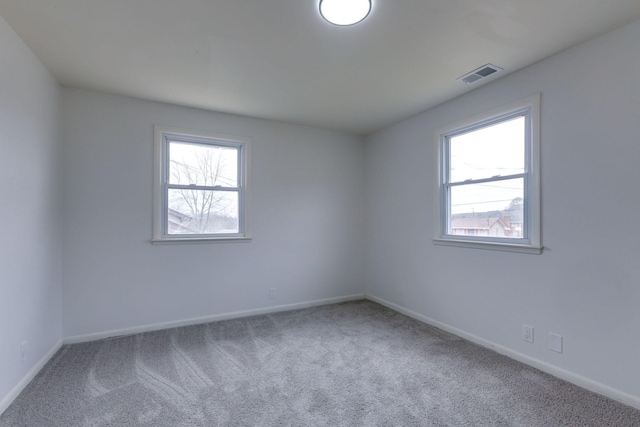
{"x": 187, "y": 240}
{"x": 495, "y": 246}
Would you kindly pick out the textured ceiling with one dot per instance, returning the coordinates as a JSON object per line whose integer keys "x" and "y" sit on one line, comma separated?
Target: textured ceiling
{"x": 279, "y": 60}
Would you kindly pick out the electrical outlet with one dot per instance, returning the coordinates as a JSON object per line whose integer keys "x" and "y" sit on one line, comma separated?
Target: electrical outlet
{"x": 272, "y": 293}
{"x": 23, "y": 351}
{"x": 555, "y": 342}
{"x": 527, "y": 333}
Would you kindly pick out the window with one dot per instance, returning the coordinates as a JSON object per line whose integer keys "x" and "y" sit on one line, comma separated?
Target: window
{"x": 488, "y": 190}
{"x": 200, "y": 186}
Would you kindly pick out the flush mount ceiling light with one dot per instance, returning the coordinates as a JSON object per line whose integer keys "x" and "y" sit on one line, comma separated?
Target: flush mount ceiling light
{"x": 345, "y": 12}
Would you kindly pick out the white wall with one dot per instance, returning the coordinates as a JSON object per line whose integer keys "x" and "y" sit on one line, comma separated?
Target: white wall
{"x": 586, "y": 284}
{"x": 306, "y": 208}
{"x": 30, "y": 256}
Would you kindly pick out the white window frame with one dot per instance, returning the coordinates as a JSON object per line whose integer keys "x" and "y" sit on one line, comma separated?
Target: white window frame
{"x": 531, "y": 243}
{"x": 162, "y": 136}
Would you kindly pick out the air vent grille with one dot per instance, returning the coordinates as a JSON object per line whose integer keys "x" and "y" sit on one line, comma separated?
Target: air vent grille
{"x": 479, "y": 73}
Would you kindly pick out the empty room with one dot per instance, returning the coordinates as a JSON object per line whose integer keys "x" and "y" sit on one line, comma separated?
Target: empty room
{"x": 319, "y": 213}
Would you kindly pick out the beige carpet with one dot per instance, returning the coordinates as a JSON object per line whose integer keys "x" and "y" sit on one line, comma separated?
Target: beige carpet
{"x": 351, "y": 364}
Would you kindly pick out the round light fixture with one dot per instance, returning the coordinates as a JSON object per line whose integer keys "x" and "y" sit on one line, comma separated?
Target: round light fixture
{"x": 345, "y": 12}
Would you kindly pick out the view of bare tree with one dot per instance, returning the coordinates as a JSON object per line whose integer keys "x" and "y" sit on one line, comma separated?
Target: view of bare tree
{"x": 202, "y": 208}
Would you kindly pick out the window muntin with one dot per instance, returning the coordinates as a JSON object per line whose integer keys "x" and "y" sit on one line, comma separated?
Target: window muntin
{"x": 488, "y": 182}
{"x": 200, "y": 188}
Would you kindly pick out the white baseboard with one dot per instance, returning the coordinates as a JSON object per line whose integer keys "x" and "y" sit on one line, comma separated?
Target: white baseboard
{"x": 206, "y": 319}
{"x": 579, "y": 380}
{"x": 9, "y": 398}
{"x": 571, "y": 377}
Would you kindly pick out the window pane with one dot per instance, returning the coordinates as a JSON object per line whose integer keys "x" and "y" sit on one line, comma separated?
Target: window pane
{"x": 492, "y": 209}
{"x": 202, "y": 212}
{"x": 203, "y": 164}
{"x": 488, "y": 152}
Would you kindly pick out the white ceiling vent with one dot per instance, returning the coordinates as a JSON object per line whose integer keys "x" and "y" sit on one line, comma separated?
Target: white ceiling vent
{"x": 480, "y": 73}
